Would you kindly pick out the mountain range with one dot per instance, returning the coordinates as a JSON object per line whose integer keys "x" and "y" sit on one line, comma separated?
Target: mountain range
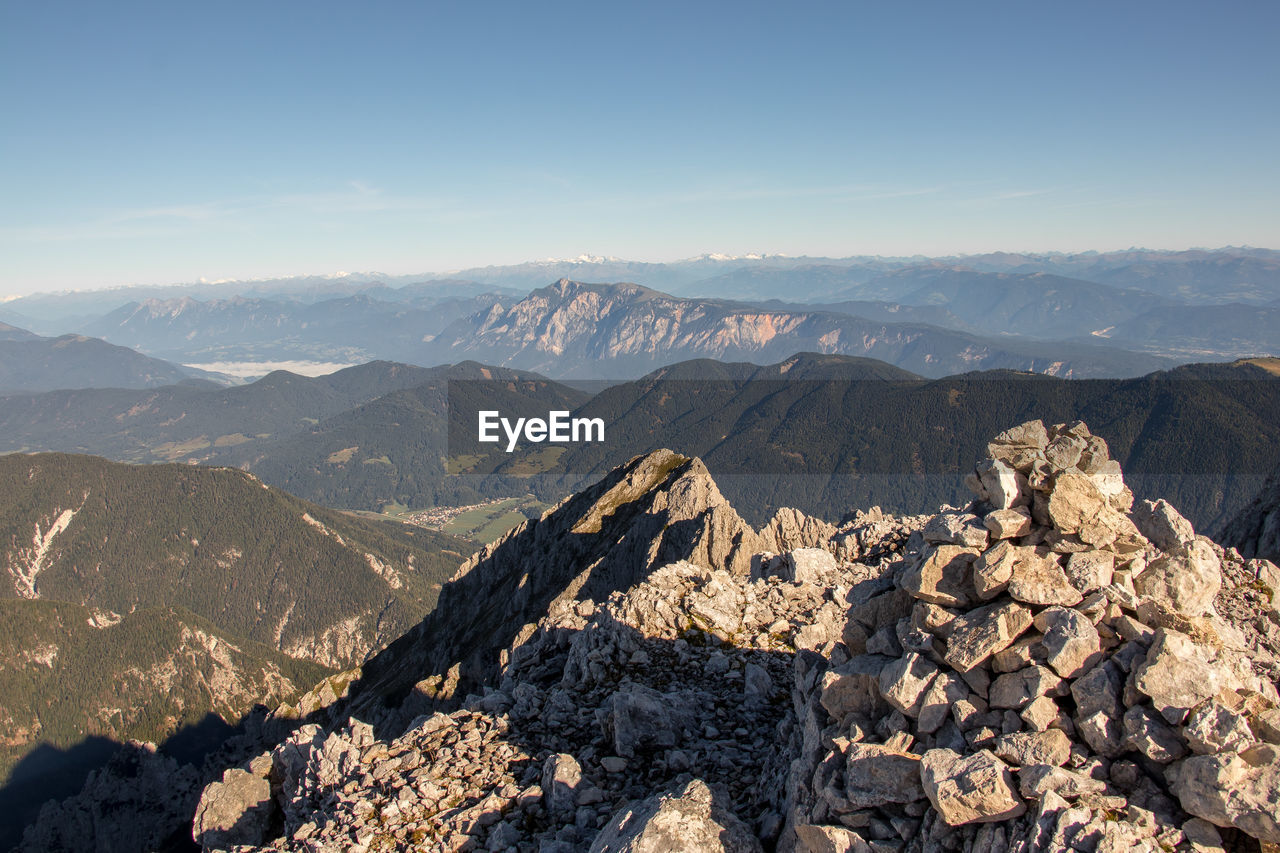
{"x": 139, "y": 600}
{"x": 1116, "y": 314}
{"x": 30, "y": 363}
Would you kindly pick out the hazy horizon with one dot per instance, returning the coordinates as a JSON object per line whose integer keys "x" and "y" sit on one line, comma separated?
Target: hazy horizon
{"x": 161, "y": 143}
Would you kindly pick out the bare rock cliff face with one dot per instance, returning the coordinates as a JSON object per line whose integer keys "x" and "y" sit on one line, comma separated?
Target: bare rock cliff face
{"x": 655, "y": 510}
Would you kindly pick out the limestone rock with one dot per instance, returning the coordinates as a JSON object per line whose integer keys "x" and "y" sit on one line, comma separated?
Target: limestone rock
{"x": 691, "y": 820}
{"x": 1090, "y": 570}
{"x": 1234, "y": 789}
{"x": 1162, "y": 524}
{"x": 876, "y": 775}
{"x": 1071, "y": 643}
{"x": 1177, "y": 675}
{"x": 944, "y": 576}
{"x": 1213, "y": 727}
{"x": 829, "y": 839}
{"x": 981, "y": 633}
{"x": 1016, "y": 690}
{"x": 809, "y": 565}
{"x": 1148, "y": 733}
{"x": 1186, "y": 580}
{"x": 976, "y": 788}
{"x": 1050, "y": 747}
{"x": 1038, "y": 579}
{"x": 904, "y": 681}
{"x": 992, "y": 570}
{"x": 236, "y": 810}
{"x": 956, "y": 528}
{"x": 561, "y": 779}
{"x": 1008, "y": 523}
{"x": 1035, "y": 780}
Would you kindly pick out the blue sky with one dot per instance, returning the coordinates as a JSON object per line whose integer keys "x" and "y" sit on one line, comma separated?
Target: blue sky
{"x": 170, "y": 141}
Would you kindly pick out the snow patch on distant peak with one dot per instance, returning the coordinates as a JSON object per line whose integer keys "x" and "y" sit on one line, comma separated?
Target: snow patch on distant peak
{"x": 582, "y": 259}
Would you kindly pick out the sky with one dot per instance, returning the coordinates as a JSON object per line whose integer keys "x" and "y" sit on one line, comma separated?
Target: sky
{"x": 151, "y": 143}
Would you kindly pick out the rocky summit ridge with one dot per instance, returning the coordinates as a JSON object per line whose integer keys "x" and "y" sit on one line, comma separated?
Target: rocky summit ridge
{"x": 1048, "y": 668}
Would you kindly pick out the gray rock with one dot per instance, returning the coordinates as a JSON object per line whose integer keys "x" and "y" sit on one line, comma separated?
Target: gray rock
{"x": 1149, "y": 734}
{"x": 1071, "y": 643}
{"x": 1035, "y": 780}
{"x": 1038, "y": 579}
{"x": 876, "y": 775}
{"x": 809, "y": 565}
{"x": 641, "y": 719}
{"x": 692, "y": 820}
{"x": 236, "y": 810}
{"x": 811, "y": 838}
{"x": 956, "y": 528}
{"x": 1008, "y": 523}
{"x": 947, "y": 689}
{"x": 993, "y": 570}
{"x": 1186, "y": 580}
{"x": 1051, "y": 747}
{"x": 1090, "y": 570}
{"x": 1017, "y": 689}
{"x": 1233, "y": 789}
{"x": 944, "y": 576}
{"x": 976, "y": 788}
{"x": 1213, "y": 727}
{"x": 561, "y": 779}
{"x": 1162, "y": 524}
{"x": 904, "y": 681}
{"x": 1177, "y": 675}
{"x": 1064, "y": 451}
{"x": 981, "y": 633}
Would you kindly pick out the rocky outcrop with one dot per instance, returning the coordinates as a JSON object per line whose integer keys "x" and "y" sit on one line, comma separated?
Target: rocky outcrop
{"x": 139, "y": 801}
{"x": 1058, "y": 682}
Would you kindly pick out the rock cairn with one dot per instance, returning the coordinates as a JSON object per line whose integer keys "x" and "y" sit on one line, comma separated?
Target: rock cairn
{"x": 1047, "y": 673}
{"x": 1048, "y": 668}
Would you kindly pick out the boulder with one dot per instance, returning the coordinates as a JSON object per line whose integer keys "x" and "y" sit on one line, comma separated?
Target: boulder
{"x": 976, "y": 788}
{"x": 808, "y": 565}
{"x": 1090, "y": 570}
{"x": 811, "y": 838}
{"x": 692, "y": 820}
{"x": 956, "y": 528}
{"x": 1051, "y": 747}
{"x": 1233, "y": 789}
{"x": 1008, "y": 523}
{"x": 944, "y": 576}
{"x": 236, "y": 810}
{"x": 1214, "y": 727}
{"x": 1016, "y": 690}
{"x": 980, "y": 633}
{"x": 1147, "y": 732}
{"x": 993, "y": 569}
{"x": 1038, "y": 579}
{"x": 1071, "y": 643}
{"x": 876, "y": 775}
{"x": 1162, "y": 524}
{"x": 904, "y": 681}
{"x": 1035, "y": 780}
{"x": 1177, "y": 675}
{"x": 1185, "y": 580}
{"x": 561, "y": 779}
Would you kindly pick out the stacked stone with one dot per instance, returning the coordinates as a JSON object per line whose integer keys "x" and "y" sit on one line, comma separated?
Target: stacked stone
{"x": 1048, "y": 672}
